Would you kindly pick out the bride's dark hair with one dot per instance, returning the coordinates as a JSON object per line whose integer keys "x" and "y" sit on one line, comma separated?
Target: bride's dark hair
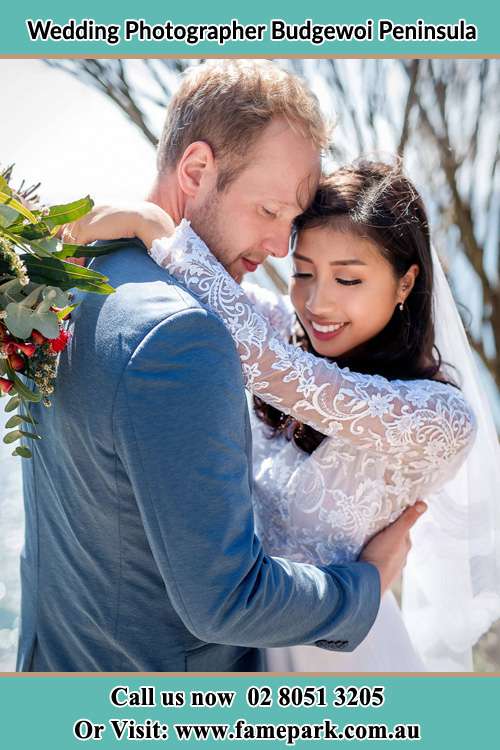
{"x": 377, "y": 202}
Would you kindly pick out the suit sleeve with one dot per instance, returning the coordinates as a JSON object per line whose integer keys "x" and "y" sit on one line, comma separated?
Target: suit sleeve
{"x": 180, "y": 429}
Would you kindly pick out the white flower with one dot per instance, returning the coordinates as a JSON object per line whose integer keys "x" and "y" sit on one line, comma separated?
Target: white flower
{"x": 418, "y": 397}
{"x": 378, "y": 405}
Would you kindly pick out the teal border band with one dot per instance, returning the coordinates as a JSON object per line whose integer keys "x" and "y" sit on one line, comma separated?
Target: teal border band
{"x": 14, "y": 38}
{"x": 41, "y": 711}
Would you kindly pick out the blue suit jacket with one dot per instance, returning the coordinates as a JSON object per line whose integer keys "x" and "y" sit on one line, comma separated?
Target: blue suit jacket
{"x": 140, "y": 552}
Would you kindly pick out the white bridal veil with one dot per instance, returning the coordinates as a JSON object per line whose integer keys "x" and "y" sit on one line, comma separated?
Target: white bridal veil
{"x": 451, "y": 584}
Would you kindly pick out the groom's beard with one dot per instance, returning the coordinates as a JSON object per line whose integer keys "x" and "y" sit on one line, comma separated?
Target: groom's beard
{"x": 208, "y": 224}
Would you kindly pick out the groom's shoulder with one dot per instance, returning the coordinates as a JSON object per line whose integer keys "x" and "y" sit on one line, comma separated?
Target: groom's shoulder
{"x": 142, "y": 288}
{"x": 145, "y": 297}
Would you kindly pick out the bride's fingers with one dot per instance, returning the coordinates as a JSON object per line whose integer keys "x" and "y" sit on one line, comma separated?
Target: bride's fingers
{"x": 410, "y": 516}
{"x": 65, "y": 233}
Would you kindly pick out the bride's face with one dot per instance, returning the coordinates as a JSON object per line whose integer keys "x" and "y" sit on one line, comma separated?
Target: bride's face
{"x": 343, "y": 289}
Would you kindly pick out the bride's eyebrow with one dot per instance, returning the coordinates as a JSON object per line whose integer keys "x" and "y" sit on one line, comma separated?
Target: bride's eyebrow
{"x": 350, "y": 262}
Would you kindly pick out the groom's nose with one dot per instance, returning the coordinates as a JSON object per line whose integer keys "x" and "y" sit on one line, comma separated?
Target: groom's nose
{"x": 277, "y": 244}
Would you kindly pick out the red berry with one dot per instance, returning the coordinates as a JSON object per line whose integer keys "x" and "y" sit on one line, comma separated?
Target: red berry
{"x": 16, "y": 362}
{"x": 27, "y": 349}
{"x": 6, "y": 385}
{"x": 37, "y": 338}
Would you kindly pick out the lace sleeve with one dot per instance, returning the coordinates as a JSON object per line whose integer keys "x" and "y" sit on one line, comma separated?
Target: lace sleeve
{"x": 423, "y": 423}
{"x": 275, "y": 308}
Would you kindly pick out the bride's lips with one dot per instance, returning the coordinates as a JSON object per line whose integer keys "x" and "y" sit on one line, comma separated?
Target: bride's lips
{"x": 250, "y": 265}
{"x": 326, "y": 331}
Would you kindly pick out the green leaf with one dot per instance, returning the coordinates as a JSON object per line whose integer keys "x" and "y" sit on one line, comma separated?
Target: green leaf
{"x": 14, "y": 421}
{"x": 17, "y": 206}
{"x": 94, "y": 251}
{"x": 13, "y": 404}
{"x": 4, "y": 185}
{"x": 30, "y": 435}
{"x": 33, "y": 296}
{"x": 22, "y": 451}
{"x": 31, "y": 231}
{"x": 64, "y": 275}
{"x": 66, "y": 311}
{"x": 11, "y": 437}
{"x": 46, "y": 247}
{"x": 68, "y": 212}
{"x": 11, "y": 287}
{"x": 7, "y": 216}
{"x": 57, "y": 297}
{"x": 18, "y": 419}
{"x": 21, "y": 320}
{"x": 23, "y": 391}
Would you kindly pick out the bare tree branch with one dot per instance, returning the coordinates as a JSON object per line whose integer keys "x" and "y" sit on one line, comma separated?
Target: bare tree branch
{"x": 413, "y": 72}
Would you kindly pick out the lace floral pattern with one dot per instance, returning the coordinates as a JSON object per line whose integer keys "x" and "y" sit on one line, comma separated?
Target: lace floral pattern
{"x": 389, "y": 442}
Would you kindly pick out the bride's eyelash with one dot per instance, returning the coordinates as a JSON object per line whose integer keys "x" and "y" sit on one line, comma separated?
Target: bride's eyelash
{"x": 344, "y": 282}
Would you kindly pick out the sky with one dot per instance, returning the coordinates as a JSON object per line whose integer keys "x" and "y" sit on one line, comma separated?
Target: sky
{"x": 60, "y": 131}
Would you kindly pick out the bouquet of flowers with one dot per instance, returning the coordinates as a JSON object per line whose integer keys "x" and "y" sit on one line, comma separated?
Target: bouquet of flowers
{"x": 36, "y": 301}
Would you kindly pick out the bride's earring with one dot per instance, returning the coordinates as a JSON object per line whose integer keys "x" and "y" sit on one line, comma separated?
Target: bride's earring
{"x": 401, "y": 306}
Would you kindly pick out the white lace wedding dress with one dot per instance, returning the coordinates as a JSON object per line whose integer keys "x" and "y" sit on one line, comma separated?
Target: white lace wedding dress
{"x": 388, "y": 443}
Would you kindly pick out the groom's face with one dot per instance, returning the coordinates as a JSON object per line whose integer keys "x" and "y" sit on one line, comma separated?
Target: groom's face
{"x": 252, "y": 218}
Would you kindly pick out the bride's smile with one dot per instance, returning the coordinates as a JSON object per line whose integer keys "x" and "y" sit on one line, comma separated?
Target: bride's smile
{"x": 344, "y": 290}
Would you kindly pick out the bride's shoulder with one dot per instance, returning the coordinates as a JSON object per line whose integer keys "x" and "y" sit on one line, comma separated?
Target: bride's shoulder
{"x": 438, "y": 396}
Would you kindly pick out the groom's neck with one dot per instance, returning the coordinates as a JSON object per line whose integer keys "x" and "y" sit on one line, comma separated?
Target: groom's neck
{"x": 165, "y": 193}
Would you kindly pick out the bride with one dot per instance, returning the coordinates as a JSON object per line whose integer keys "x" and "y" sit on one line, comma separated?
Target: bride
{"x": 356, "y": 415}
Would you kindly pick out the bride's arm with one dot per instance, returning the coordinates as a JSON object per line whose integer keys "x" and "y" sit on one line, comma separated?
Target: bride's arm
{"x": 274, "y": 307}
{"x": 422, "y": 424}
{"x": 426, "y": 421}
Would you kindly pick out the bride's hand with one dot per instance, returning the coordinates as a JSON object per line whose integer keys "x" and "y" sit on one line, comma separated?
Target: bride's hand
{"x": 144, "y": 220}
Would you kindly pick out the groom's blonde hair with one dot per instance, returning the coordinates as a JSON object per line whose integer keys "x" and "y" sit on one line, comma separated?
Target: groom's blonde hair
{"x": 227, "y": 104}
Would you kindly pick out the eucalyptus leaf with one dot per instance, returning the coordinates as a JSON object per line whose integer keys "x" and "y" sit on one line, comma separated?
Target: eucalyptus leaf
{"x": 11, "y": 287}
{"x": 14, "y": 421}
{"x": 11, "y": 437}
{"x": 33, "y": 296}
{"x": 13, "y": 404}
{"x": 18, "y": 419}
{"x": 30, "y": 435}
{"x": 47, "y": 324}
{"x": 19, "y": 320}
{"x": 22, "y": 451}
{"x": 22, "y": 390}
{"x": 57, "y": 296}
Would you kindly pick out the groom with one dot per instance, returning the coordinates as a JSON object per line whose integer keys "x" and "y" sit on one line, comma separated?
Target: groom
{"x": 140, "y": 550}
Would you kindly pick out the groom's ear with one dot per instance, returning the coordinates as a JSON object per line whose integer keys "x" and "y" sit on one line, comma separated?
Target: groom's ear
{"x": 196, "y": 169}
